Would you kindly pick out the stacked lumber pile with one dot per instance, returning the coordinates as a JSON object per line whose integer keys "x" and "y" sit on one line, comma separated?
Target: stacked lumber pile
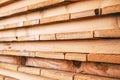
{"x": 59, "y": 39}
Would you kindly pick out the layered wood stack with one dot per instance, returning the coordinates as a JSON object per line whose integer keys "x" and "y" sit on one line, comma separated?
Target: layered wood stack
{"x": 59, "y": 39}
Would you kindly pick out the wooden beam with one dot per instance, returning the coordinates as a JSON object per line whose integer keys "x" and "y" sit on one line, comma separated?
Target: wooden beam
{"x": 18, "y": 53}
{"x": 47, "y": 37}
{"x": 22, "y": 76}
{"x": 98, "y": 46}
{"x": 53, "y": 55}
{"x": 74, "y": 26}
{"x": 57, "y": 74}
{"x": 6, "y": 2}
{"x": 75, "y": 35}
{"x": 10, "y": 59}
{"x": 57, "y": 18}
{"x": 28, "y": 38}
{"x": 107, "y": 33}
{"x": 31, "y": 22}
{"x": 50, "y": 63}
{"x": 112, "y": 6}
{"x": 14, "y": 25}
{"x": 107, "y": 58}
{"x": 91, "y": 77}
{"x": 30, "y": 70}
{"x": 76, "y": 56}
{"x": 9, "y": 66}
{"x": 9, "y": 78}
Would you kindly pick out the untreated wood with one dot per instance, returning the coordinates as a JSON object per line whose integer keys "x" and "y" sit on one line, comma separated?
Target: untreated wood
{"x": 47, "y": 37}
{"x": 85, "y": 46}
{"x": 31, "y": 22}
{"x": 107, "y": 33}
{"x": 9, "y": 66}
{"x": 14, "y": 25}
{"x": 9, "y": 78}
{"x": 76, "y": 56}
{"x": 53, "y": 55}
{"x": 75, "y": 35}
{"x": 50, "y": 63}
{"x": 18, "y": 53}
{"x": 22, "y": 76}
{"x": 61, "y": 75}
{"x": 107, "y": 58}
{"x": 28, "y": 38}
{"x": 63, "y": 17}
{"x": 30, "y": 70}
{"x": 10, "y": 59}
{"x": 6, "y": 2}
{"x": 110, "y": 6}
{"x": 91, "y": 77}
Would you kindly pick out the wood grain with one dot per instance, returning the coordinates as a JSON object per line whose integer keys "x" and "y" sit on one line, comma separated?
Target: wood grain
{"x": 107, "y": 58}
{"x": 76, "y": 56}
{"x": 52, "y": 55}
{"x": 61, "y": 75}
{"x": 30, "y": 70}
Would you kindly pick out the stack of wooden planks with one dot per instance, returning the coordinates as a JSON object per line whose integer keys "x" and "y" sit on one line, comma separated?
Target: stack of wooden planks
{"x": 59, "y": 39}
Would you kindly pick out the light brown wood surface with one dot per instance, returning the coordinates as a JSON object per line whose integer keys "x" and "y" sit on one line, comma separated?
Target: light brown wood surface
{"x": 21, "y": 76}
{"x": 74, "y": 35}
{"x": 76, "y": 56}
{"x": 91, "y": 77}
{"x": 85, "y": 46}
{"x": 53, "y": 55}
{"x": 107, "y": 58}
{"x": 107, "y": 33}
{"x": 30, "y": 70}
{"x": 57, "y": 74}
{"x": 9, "y": 66}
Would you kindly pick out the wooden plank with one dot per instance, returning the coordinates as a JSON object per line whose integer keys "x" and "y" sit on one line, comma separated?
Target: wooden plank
{"x": 107, "y": 33}
{"x": 91, "y": 77}
{"x": 6, "y": 2}
{"x": 8, "y": 39}
{"x": 53, "y": 55}
{"x": 50, "y": 63}
{"x": 10, "y": 59}
{"x": 61, "y": 75}
{"x": 16, "y": 7}
{"x": 9, "y": 66}
{"x": 87, "y": 13}
{"x": 85, "y": 46}
{"x": 22, "y": 76}
{"x": 14, "y": 25}
{"x": 9, "y": 78}
{"x": 110, "y": 6}
{"x": 44, "y": 4}
{"x": 30, "y": 70}
{"x": 47, "y": 37}
{"x": 57, "y": 18}
{"x": 107, "y": 58}
{"x": 28, "y": 38}
{"x": 76, "y": 56}
{"x": 90, "y": 24}
{"x": 75, "y": 35}
{"x": 31, "y": 22}
{"x": 82, "y": 7}
{"x": 101, "y": 69}
{"x": 18, "y": 53}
